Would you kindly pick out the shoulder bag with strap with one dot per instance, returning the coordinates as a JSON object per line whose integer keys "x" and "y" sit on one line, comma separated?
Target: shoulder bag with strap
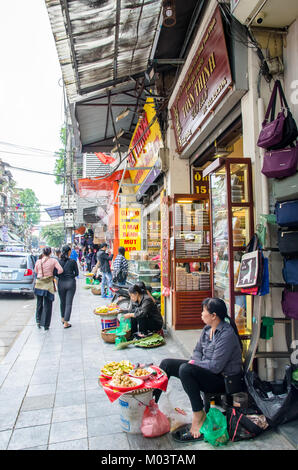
{"x": 49, "y": 278}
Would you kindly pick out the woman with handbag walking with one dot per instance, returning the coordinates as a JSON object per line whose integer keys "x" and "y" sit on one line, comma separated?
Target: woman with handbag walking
{"x": 45, "y": 287}
{"x": 67, "y": 284}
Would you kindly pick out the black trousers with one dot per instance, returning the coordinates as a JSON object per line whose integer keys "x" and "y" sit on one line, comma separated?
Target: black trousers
{"x": 194, "y": 379}
{"x": 66, "y": 291}
{"x": 44, "y": 310}
{"x": 144, "y": 325}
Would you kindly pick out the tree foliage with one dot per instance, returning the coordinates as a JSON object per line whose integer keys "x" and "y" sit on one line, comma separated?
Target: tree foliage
{"x": 28, "y": 199}
{"x": 54, "y": 234}
{"x": 60, "y": 160}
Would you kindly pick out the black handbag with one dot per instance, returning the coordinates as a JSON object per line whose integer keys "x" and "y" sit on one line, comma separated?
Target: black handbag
{"x": 288, "y": 243}
{"x": 234, "y": 383}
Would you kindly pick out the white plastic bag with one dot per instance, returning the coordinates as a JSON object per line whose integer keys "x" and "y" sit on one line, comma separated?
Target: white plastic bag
{"x": 175, "y": 411}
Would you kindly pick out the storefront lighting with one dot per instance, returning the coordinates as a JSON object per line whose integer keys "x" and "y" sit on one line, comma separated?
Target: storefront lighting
{"x": 123, "y": 114}
{"x": 184, "y": 201}
{"x": 169, "y": 13}
{"x": 120, "y": 133}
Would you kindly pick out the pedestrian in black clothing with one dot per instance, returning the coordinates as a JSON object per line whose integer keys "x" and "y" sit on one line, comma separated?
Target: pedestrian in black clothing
{"x": 67, "y": 284}
{"x": 89, "y": 258}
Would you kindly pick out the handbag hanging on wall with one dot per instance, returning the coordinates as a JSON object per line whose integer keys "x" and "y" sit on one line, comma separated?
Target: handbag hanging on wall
{"x": 280, "y": 163}
{"x": 281, "y": 130}
{"x": 287, "y": 213}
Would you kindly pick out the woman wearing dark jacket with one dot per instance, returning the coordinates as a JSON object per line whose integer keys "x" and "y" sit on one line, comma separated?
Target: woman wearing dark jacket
{"x": 67, "y": 284}
{"x": 144, "y": 314}
{"x": 218, "y": 352}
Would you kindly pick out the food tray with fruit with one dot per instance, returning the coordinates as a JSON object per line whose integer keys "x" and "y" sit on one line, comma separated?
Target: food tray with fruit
{"x": 111, "y": 368}
{"x": 141, "y": 373}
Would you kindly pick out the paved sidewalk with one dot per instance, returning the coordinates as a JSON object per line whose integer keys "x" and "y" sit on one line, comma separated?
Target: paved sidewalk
{"x": 50, "y": 397}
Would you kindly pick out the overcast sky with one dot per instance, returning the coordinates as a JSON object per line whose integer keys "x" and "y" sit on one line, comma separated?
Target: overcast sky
{"x": 31, "y": 100}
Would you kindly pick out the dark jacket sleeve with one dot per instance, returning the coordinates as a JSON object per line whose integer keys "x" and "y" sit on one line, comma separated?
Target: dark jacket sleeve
{"x": 145, "y": 309}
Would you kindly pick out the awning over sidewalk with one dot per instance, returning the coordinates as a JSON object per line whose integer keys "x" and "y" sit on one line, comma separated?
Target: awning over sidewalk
{"x": 102, "y": 43}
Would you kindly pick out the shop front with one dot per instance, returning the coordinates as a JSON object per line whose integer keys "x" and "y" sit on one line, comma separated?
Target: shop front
{"x": 213, "y": 222}
{"x": 146, "y": 177}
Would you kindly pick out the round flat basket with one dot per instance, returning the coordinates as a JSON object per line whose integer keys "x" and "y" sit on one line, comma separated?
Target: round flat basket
{"x": 150, "y": 346}
{"x": 111, "y": 337}
{"x": 96, "y": 291}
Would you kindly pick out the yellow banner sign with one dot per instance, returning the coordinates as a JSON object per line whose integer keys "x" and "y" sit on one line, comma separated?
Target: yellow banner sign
{"x": 130, "y": 229}
{"x": 145, "y": 143}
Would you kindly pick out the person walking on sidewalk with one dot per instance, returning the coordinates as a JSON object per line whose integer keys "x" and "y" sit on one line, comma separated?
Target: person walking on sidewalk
{"x": 45, "y": 287}
{"x": 104, "y": 258}
{"x": 67, "y": 284}
{"x": 120, "y": 267}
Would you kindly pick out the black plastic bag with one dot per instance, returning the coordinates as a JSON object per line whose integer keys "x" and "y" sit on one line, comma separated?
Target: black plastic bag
{"x": 278, "y": 409}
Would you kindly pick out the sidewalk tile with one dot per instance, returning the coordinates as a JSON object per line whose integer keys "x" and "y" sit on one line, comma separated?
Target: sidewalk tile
{"x": 71, "y": 386}
{"x": 8, "y": 417}
{"x": 105, "y": 425}
{"x": 4, "y": 439}
{"x": 102, "y": 408}
{"x": 29, "y": 437}
{"x": 68, "y": 431}
{"x": 111, "y": 442}
{"x": 38, "y": 402}
{"x": 69, "y": 413}
{"x": 70, "y": 398}
{"x": 94, "y": 396}
{"x": 80, "y": 444}
{"x": 41, "y": 389}
{"x": 138, "y": 441}
{"x": 36, "y": 417}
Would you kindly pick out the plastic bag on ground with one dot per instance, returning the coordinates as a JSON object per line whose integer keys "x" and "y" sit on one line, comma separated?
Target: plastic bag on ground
{"x": 174, "y": 410}
{"x": 214, "y": 428}
{"x": 278, "y": 409}
{"x": 154, "y": 423}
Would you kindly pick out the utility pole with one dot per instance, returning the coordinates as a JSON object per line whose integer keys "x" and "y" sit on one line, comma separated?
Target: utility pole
{"x": 66, "y": 203}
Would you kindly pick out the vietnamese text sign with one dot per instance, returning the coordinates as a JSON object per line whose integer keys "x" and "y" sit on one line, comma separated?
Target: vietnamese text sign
{"x": 130, "y": 229}
{"x": 145, "y": 144}
{"x": 206, "y": 82}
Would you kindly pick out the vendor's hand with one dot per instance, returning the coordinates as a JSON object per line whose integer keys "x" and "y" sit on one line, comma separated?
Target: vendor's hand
{"x": 128, "y": 315}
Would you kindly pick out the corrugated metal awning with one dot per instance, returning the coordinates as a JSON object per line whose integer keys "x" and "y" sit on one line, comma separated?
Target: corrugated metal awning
{"x": 102, "y": 43}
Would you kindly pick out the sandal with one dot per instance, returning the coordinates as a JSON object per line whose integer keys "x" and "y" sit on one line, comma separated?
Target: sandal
{"x": 183, "y": 434}
{"x": 68, "y": 326}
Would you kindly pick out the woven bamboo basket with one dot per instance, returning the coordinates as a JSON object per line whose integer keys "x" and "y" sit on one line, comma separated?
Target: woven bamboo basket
{"x": 96, "y": 290}
{"x": 111, "y": 337}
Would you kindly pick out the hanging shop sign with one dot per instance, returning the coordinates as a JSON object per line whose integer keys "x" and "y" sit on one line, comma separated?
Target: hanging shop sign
{"x": 206, "y": 82}
{"x": 165, "y": 241}
{"x": 144, "y": 147}
{"x": 130, "y": 228}
{"x": 200, "y": 183}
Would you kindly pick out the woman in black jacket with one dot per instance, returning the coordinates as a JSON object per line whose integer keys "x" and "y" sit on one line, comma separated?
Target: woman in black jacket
{"x": 67, "y": 284}
{"x": 145, "y": 316}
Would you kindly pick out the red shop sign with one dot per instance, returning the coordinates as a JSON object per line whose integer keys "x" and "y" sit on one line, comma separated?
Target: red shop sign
{"x": 206, "y": 82}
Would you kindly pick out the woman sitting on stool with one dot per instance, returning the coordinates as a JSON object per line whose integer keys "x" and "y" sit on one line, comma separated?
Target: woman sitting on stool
{"x": 143, "y": 313}
{"x": 218, "y": 351}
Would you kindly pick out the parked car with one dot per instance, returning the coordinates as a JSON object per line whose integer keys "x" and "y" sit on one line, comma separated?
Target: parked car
{"x": 17, "y": 273}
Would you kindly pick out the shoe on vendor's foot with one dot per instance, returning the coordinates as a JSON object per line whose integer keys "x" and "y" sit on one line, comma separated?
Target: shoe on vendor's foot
{"x": 183, "y": 434}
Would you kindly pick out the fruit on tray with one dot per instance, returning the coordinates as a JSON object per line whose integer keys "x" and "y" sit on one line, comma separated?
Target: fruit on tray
{"x": 101, "y": 310}
{"x": 140, "y": 372}
{"x": 112, "y": 367}
{"x": 120, "y": 379}
{"x": 107, "y": 308}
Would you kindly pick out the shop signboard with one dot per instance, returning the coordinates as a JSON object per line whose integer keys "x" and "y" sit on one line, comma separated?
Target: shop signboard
{"x": 130, "y": 229}
{"x": 165, "y": 241}
{"x": 144, "y": 146}
{"x": 200, "y": 183}
{"x": 206, "y": 82}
